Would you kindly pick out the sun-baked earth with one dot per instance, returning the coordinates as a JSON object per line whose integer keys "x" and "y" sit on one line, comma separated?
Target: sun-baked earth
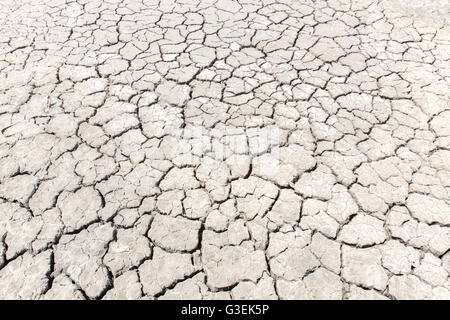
{"x": 220, "y": 149}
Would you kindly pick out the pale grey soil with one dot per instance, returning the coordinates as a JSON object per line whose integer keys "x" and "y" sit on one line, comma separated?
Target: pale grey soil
{"x": 223, "y": 149}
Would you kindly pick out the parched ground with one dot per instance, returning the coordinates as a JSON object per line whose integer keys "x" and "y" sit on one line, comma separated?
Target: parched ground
{"x": 221, "y": 149}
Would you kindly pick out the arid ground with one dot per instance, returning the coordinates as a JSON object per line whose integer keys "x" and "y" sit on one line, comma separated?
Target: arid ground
{"x": 217, "y": 149}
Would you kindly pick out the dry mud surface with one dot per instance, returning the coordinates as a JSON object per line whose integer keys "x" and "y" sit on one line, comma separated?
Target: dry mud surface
{"x": 247, "y": 149}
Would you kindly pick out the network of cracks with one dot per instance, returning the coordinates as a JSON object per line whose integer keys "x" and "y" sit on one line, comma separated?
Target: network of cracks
{"x": 220, "y": 149}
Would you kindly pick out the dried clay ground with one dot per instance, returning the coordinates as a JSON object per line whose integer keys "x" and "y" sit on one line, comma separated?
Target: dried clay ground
{"x": 217, "y": 149}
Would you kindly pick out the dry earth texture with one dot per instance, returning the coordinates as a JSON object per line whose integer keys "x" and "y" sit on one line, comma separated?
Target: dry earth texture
{"x": 220, "y": 149}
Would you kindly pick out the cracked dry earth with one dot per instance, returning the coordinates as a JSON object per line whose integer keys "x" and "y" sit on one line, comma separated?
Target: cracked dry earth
{"x": 222, "y": 149}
